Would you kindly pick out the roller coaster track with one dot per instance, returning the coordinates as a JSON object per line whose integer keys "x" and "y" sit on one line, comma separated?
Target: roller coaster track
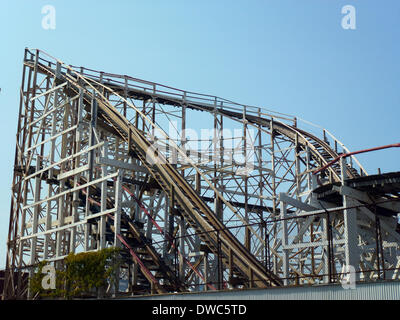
{"x": 184, "y": 200}
{"x": 191, "y": 206}
{"x": 321, "y": 150}
{"x": 187, "y": 201}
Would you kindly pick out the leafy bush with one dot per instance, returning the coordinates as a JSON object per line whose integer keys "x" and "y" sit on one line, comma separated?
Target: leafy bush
{"x": 81, "y": 275}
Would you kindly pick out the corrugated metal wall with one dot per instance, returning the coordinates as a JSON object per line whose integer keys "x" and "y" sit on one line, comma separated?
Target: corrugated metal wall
{"x": 364, "y": 291}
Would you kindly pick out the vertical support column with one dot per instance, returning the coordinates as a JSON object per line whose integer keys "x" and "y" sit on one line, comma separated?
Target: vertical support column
{"x": 247, "y": 239}
{"x": 34, "y": 224}
{"x": 62, "y": 201}
{"x": 22, "y": 242}
{"x": 197, "y": 240}
{"x": 325, "y": 235}
{"x": 138, "y": 117}
{"x": 273, "y": 182}
{"x": 118, "y": 207}
{"x": 14, "y": 212}
{"x": 60, "y": 219}
{"x": 171, "y": 213}
{"x": 75, "y": 199}
{"x": 149, "y": 227}
{"x": 379, "y": 248}
{"x": 331, "y": 253}
{"x": 260, "y": 188}
{"x": 220, "y": 213}
{"x": 126, "y": 97}
{"x": 91, "y": 156}
{"x": 309, "y": 173}
{"x": 326, "y": 256}
{"x": 183, "y": 136}
{"x": 220, "y": 268}
{"x": 267, "y": 248}
{"x": 134, "y": 275}
{"x": 117, "y": 221}
{"x": 153, "y": 111}
{"x": 285, "y": 257}
{"x": 217, "y": 135}
{"x": 38, "y": 181}
{"x": 198, "y": 183}
{"x": 137, "y": 211}
{"x": 352, "y": 254}
{"x": 166, "y": 233}
{"x": 35, "y": 216}
{"x": 215, "y": 157}
{"x": 182, "y": 234}
{"x": 273, "y": 191}
{"x": 9, "y": 287}
{"x": 93, "y": 124}
{"x": 230, "y": 259}
{"x": 26, "y": 142}
{"x": 103, "y": 201}
{"x": 30, "y": 134}
{"x": 205, "y": 271}
{"x": 218, "y": 208}
{"x": 297, "y": 167}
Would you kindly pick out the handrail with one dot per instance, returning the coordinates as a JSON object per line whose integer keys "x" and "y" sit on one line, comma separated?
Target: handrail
{"x": 344, "y": 155}
{"x": 336, "y": 141}
{"x": 173, "y": 91}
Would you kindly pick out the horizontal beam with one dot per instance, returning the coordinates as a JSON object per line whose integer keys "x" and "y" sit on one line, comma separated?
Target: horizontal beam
{"x": 68, "y": 101}
{"x": 72, "y": 225}
{"x": 364, "y": 197}
{"x": 83, "y": 186}
{"x": 73, "y": 172}
{"x": 63, "y": 160}
{"x": 295, "y": 203}
{"x": 121, "y": 165}
{"x": 49, "y": 91}
{"x": 312, "y": 244}
{"x": 51, "y": 138}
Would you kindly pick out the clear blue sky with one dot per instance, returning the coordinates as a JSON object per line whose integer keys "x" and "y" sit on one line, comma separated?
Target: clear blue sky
{"x": 291, "y": 56}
